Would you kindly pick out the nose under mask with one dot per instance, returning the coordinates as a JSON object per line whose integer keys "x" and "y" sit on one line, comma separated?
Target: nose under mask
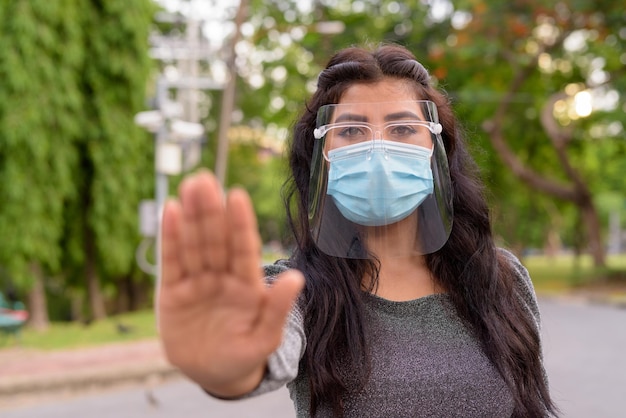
{"x": 381, "y": 185}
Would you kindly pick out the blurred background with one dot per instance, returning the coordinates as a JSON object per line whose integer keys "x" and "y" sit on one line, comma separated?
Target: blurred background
{"x": 106, "y": 104}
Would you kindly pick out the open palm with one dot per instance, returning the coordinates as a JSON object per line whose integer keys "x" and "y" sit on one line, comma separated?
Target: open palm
{"x": 218, "y": 320}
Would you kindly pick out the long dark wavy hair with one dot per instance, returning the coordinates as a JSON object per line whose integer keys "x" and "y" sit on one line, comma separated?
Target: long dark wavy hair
{"x": 478, "y": 280}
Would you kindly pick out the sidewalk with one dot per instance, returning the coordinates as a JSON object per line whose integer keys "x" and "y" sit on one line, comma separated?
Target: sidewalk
{"x": 27, "y": 374}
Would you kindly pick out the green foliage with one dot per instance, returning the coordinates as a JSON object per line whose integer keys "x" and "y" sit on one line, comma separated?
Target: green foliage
{"x": 39, "y": 98}
{"x": 73, "y": 166}
{"x": 115, "y": 74}
{"x": 579, "y": 38}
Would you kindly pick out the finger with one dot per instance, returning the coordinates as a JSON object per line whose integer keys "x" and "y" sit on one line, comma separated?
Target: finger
{"x": 213, "y": 228}
{"x": 280, "y": 299}
{"x": 191, "y": 251}
{"x": 171, "y": 269}
{"x": 244, "y": 242}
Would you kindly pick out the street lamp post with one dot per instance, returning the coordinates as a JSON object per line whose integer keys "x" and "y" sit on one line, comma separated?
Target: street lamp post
{"x": 170, "y": 135}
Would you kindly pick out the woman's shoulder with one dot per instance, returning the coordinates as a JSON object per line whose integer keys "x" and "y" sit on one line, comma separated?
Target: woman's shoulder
{"x": 524, "y": 288}
{"x": 273, "y": 270}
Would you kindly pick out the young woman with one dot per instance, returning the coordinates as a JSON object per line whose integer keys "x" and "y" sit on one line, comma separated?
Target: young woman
{"x": 395, "y": 302}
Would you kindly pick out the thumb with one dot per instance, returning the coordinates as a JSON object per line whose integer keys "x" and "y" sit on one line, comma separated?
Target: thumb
{"x": 280, "y": 299}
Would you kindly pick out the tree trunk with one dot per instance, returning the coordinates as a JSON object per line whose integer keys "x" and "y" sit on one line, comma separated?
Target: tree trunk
{"x": 591, "y": 222}
{"x": 228, "y": 97}
{"x": 552, "y": 246}
{"x": 131, "y": 293}
{"x": 37, "y": 304}
{"x": 96, "y": 301}
{"x": 76, "y": 305}
{"x": 126, "y": 298}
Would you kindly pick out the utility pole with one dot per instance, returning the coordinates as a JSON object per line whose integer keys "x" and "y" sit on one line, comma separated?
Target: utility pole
{"x": 177, "y": 142}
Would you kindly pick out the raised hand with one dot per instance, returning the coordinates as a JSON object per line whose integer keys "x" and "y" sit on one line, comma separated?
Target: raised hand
{"x": 218, "y": 321}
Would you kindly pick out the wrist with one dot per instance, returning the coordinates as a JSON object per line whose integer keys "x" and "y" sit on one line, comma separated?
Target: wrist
{"x": 234, "y": 389}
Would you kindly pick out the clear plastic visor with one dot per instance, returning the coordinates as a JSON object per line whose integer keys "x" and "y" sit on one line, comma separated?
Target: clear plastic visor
{"x": 380, "y": 185}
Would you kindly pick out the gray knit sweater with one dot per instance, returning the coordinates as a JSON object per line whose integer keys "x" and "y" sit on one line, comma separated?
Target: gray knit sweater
{"x": 425, "y": 362}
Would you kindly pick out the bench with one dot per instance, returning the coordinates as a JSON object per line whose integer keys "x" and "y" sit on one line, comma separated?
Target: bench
{"x": 13, "y": 316}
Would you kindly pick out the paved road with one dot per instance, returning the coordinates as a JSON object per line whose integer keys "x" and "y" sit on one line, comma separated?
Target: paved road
{"x": 585, "y": 357}
{"x": 175, "y": 399}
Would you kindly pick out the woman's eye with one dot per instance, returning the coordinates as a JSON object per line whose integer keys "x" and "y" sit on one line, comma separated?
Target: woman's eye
{"x": 351, "y": 131}
{"x": 403, "y": 130}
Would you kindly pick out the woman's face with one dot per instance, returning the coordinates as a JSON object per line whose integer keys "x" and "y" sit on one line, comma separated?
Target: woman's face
{"x": 378, "y": 144}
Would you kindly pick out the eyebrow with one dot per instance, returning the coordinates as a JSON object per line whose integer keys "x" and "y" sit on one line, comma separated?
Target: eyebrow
{"x": 402, "y": 115}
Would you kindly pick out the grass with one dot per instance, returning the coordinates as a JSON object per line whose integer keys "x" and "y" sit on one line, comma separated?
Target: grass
{"x": 563, "y": 273}
{"x": 63, "y": 335}
{"x": 549, "y": 275}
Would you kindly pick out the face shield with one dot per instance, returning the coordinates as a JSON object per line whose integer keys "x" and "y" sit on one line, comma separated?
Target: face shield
{"x": 380, "y": 185}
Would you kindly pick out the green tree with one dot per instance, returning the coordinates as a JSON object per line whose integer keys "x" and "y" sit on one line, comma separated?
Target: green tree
{"x": 115, "y": 155}
{"x": 72, "y": 165}
{"x": 39, "y": 100}
{"x": 523, "y": 64}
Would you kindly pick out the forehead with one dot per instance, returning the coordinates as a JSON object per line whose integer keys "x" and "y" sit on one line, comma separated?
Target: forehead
{"x": 387, "y": 90}
{"x": 371, "y": 101}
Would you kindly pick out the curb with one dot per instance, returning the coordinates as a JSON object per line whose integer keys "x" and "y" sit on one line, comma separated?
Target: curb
{"x": 28, "y": 376}
{"x": 84, "y": 380}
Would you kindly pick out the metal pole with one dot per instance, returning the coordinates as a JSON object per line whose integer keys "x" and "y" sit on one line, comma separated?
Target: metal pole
{"x": 161, "y": 185}
{"x": 192, "y": 156}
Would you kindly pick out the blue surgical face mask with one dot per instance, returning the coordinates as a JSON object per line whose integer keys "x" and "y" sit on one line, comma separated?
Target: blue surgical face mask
{"x": 379, "y": 183}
